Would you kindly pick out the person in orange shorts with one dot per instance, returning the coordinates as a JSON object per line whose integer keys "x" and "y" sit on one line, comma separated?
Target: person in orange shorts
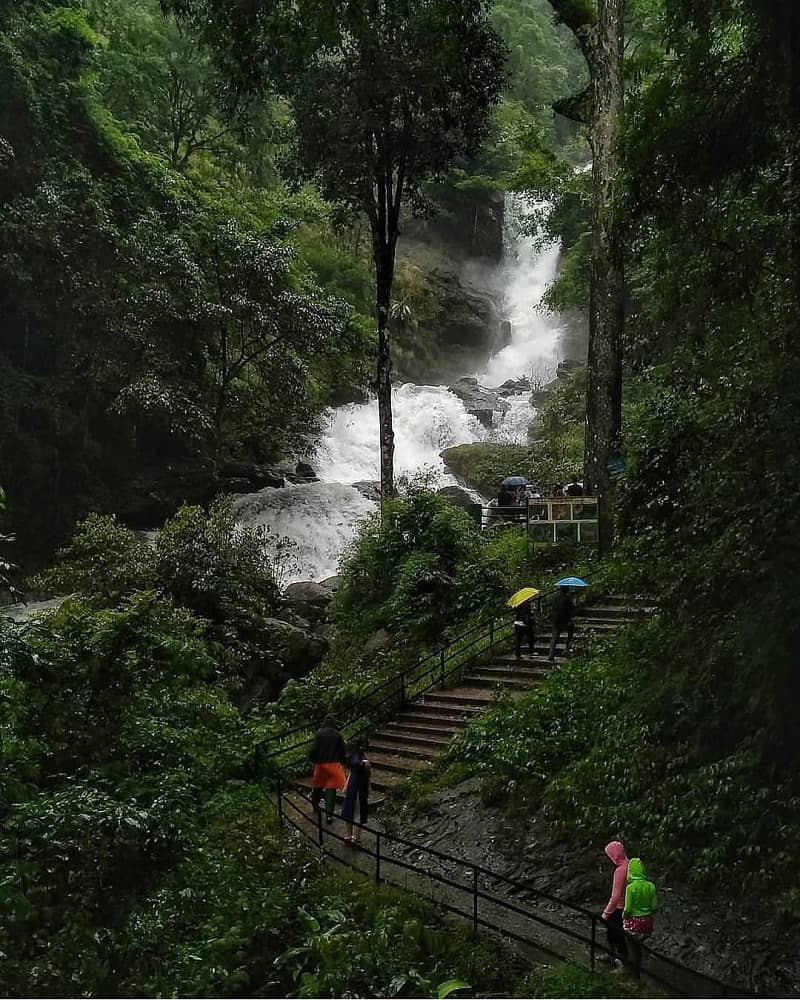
{"x": 328, "y": 755}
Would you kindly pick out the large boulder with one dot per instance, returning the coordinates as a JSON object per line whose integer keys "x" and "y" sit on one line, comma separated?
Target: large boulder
{"x": 459, "y": 497}
{"x": 331, "y": 583}
{"x": 514, "y": 387}
{"x": 308, "y": 592}
{"x": 296, "y": 651}
{"x": 309, "y": 600}
{"x": 480, "y": 402}
{"x": 257, "y": 477}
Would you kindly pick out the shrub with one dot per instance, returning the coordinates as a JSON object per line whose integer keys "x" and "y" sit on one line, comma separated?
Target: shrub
{"x": 104, "y": 562}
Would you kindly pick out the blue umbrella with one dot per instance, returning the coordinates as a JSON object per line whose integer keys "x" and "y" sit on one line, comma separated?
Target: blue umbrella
{"x": 515, "y": 481}
{"x": 572, "y": 581}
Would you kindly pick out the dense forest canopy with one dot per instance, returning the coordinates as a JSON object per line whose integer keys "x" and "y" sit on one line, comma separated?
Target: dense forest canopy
{"x": 187, "y": 281}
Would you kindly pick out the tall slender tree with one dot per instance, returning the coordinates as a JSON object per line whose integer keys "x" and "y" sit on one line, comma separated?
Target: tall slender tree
{"x": 599, "y": 31}
{"x": 387, "y": 95}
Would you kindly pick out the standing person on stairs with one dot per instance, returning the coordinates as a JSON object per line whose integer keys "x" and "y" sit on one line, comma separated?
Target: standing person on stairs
{"x": 328, "y": 757}
{"x": 612, "y": 914}
{"x": 357, "y": 790}
{"x": 524, "y": 628}
{"x": 563, "y": 618}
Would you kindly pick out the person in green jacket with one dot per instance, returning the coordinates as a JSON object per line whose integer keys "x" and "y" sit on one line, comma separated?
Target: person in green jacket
{"x": 640, "y": 905}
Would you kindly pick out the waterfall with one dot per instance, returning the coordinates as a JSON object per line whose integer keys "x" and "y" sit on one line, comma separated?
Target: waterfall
{"x": 322, "y": 518}
{"x": 427, "y": 419}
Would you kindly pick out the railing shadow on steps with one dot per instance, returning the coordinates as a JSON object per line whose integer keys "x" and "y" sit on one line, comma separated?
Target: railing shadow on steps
{"x": 476, "y": 899}
{"x": 387, "y": 697}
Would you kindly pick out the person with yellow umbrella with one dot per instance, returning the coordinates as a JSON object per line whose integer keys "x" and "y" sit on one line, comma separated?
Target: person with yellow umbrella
{"x": 524, "y": 623}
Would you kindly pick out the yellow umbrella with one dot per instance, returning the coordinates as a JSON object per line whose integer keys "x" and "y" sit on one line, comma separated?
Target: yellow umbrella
{"x": 521, "y": 596}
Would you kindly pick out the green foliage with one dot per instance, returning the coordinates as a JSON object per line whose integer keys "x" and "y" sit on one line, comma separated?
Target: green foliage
{"x": 574, "y": 981}
{"x": 409, "y": 571}
{"x": 207, "y": 563}
{"x": 190, "y": 338}
{"x": 5, "y": 566}
{"x": 544, "y": 62}
{"x": 104, "y": 562}
{"x": 127, "y": 832}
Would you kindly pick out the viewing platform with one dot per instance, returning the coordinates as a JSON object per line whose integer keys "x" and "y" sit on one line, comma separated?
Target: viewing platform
{"x": 549, "y": 519}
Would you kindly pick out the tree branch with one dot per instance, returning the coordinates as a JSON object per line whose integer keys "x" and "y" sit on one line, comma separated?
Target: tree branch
{"x": 578, "y": 107}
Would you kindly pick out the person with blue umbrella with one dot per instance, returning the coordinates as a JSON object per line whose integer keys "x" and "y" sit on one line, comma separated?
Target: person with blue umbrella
{"x": 563, "y": 615}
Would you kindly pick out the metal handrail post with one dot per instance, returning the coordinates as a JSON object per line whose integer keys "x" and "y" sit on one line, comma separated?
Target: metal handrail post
{"x": 475, "y": 900}
{"x": 491, "y": 632}
{"x": 378, "y": 857}
{"x": 593, "y": 945}
{"x": 441, "y": 667}
{"x": 319, "y": 824}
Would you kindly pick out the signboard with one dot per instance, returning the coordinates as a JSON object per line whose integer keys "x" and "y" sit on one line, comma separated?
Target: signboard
{"x": 617, "y": 467}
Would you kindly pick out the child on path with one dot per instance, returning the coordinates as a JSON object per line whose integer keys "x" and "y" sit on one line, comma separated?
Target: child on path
{"x": 640, "y": 905}
{"x": 357, "y": 790}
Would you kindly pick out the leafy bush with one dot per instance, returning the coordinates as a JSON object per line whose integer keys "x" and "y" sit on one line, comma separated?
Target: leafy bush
{"x": 573, "y": 981}
{"x": 104, "y": 562}
{"x": 401, "y": 570}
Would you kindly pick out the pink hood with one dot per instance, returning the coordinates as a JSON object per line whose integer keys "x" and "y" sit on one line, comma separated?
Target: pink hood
{"x": 616, "y": 853}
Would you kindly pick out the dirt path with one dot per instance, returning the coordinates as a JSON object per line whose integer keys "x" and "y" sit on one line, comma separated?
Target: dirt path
{"x": 726, "y": 940}
{"x": 541, "y": 928}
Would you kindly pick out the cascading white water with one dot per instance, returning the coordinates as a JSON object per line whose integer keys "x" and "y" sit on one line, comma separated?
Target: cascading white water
{"x": 322, "y": 518}
{"x": 319, "y": 519}
{"x": 534, "y": 333}
{"x": 427, "y": 419}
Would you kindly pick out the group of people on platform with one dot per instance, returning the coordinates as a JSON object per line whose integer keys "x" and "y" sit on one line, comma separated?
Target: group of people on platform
{"x": 519, "y": 496}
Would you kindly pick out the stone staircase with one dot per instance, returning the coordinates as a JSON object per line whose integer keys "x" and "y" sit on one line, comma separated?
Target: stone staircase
{"x": 419, "y": 734}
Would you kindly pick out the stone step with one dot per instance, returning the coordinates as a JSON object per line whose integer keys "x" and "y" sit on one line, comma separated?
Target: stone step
{"x": 424, "y": 722}
{"x": 521, "y": 669}
{"x": 493, "y": 681}
{"x": 528, "y": 661}
{"x": 442, "y": 703}
{"x": 414, "y": 738}
{"x": 463, "y": 697}
{"x": 397, "y": 748}
{"x": 394, "y": 762}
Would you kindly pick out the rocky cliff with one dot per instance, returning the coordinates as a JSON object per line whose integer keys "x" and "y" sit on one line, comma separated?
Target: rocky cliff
{"x": 448, "y": 314}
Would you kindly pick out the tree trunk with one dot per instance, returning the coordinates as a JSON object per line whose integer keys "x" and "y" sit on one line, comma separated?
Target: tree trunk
{"x": 606, "y": 301}
{"x": 384, "y": 275}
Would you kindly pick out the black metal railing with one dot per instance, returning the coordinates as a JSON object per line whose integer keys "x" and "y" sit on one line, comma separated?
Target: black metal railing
{"x": 387, "y": 696}
{"x": 481, "y": 897}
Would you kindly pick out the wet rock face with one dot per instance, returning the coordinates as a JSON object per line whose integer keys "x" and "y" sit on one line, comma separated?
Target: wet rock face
{"x": 247, "y": 477}
{"x": 458, "y": 497}
{"x": 479, "y": 401}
